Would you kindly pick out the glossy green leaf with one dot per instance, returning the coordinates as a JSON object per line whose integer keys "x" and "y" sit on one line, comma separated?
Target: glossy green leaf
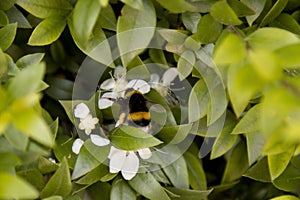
{"x": 285, "y": 197}
{"x": 287, "y": 22}
{"x": 250, "y": 121}
{"x": 198, "y": 101}
{"x": 46, "y": 166}
{"x": 131, "y": 138}
{"x": 146, "y": 185}
{"x": 186, "y": 63}
{"x": 47, "y": 31}
{"x": 136, "y": 4}
{"x": 255, "y": 5}
{"x": 186, "y": 194}
{"x": 174, "y": 134}
{"x": 135, "y": 29}
{"x": 7, "y": 35}
{"x": 255, "y": 145}
{"x": 208, "y": 29}
{"x": 121, "y": 191}
{"x": 85, "y": 162}
{"x": 107, "y": 18}
{"x": 224, "y": 141}
{"x": 259, "y": 171}
{"x": 85, "y": 16}
{"x": 289, "y": 180}
{"x": 176, "y": 6}
{"x": 30, "y": 59}
{"x": 288, "y": 55}
{"x": 46, "y": 8}
{"x": 13, "y": 187}
{"x": 231, "y": 50}
{"x": 263, "y": 39}
{"x": 223, "y": 13}
{"x": 191, "y": 20}
{"x": 274, "y": 12}
{"x": 216, "y": 90}
{"x": 59, "y": 183}
{"x": 197, "y": 177}
{"x": 237, "y": 163}
{"x": 15, "y": 15}
{"x": 6, "y": 4}
{"x": 278, "y": 162}
{"x": 240, "y": 8}
{"x": 177, "y": 173}
{"x": 3, "y": 18}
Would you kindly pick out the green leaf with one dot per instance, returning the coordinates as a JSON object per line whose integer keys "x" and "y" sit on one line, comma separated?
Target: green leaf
{"x": 131, "y": 138}
{"x": 7, "y": 35}
{"x": 177, "y": 173}
{"x": 231, "y": 50}
{"x": 174, "y": 134}
{"x": 208, "y": 29}
{"x": 14, "y": 15}
{"x": 240, "y": 8}
{"x": 9, "y": 161}
{"x": 186, "y": 194}
{"x": 196, "y": 172}
{"x": 13, "y": 187}
{"x": 198, "y": 101}
{"x": 107, "y": 18}
{"x": 34, "y": 177}
{"x": 224, "y": 141}
{"x": 216, "y": 90}
{"x": 136, "y": 4}
{"x": 255, "y": 145}
{"x": 3, "y": 18}
{"x": 250, "y": 121}
{"x": 177, "y": 6}
{"x": 288, "y": 55}
{"x": 237, "y": 163}
{"x": 100, "y": 153}
{"x": 55, "y": 197}
{"x": 29, "y": 78}
{"x": 30, "y": 59}
{"x": 6, "y": 4}
{"x": 16, "y": 138}
{"x": 259, "y": 171}
{"x": 95, "y": 175}
{"x": 46, "y": 166}
{"x": 3, "y": 65}
{"x": 285, "y": 197}
{"x": 121, "y": 191}
{"x": 289, "y": 180}
{"x": 274, "y": 12}
{"x": 47, "y": 31}
{"x": 255, "y": 5}
{"x": 185, "y": 64}
{"x": 287, "y": 22}
{"x": 30, "y": 123}
{"x": 59, "y": 183}
{"x": 263, "y": 39}
{"x": 85, "y": 16}
{"x": 135, "y": 29}
{"x": 191, "y": 20}
{"x": 278, "y": 162}
{"x": 223, "y": 13}
{"x": 146, "y": 185}
{"x": 46, "y": 8}
{"x": 84, "y": 163}
{"x": 172, "y": 36}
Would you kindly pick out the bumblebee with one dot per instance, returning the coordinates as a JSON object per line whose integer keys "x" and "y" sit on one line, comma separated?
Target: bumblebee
{"x": 134, "y": 109}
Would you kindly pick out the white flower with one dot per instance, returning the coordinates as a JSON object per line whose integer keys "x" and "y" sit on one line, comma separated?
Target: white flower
{"x": 99, "y": 141}
{"x": 162, "y": 85}
{"x": 126, "y": 161}
{"x": 77, "y": 144}
{"x": 81, "y": 110}
{"x": 88, "y": 123}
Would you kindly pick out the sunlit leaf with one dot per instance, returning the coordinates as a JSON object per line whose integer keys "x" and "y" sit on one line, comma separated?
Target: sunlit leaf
{"x": 29, "y": 59}
{"x": 288, "y": 56}
{"x": 176, "y": 6}
{"x": 285, "y": 197}
{"x": 208, "y": 29}
{"x": 223, "y": 13}
{"x": 7, "y": 35}
{"x": 255, "y": 145}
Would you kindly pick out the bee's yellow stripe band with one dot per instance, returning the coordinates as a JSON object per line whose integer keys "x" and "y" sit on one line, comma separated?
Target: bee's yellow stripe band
{"x": 138, "y": 116}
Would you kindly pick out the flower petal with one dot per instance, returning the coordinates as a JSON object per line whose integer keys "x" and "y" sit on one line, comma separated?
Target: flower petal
{"x": 120, "y": 72}
{"x": 139, "y": 85}
{"x": 108, "y": 84}
{"x": 154, "y": 80}
{"x": 81, "y": 110}
{"x": 145, "y": 153}
{"x": 104, "y": 103}
{"x": 112, "y": 151}
{"x": 77, "y": 144}
{"x": 117, "y": 160}
{"x": 169, "y": 76}
{"x": 131, "y": 166}
{"x": 99, "y": 141}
